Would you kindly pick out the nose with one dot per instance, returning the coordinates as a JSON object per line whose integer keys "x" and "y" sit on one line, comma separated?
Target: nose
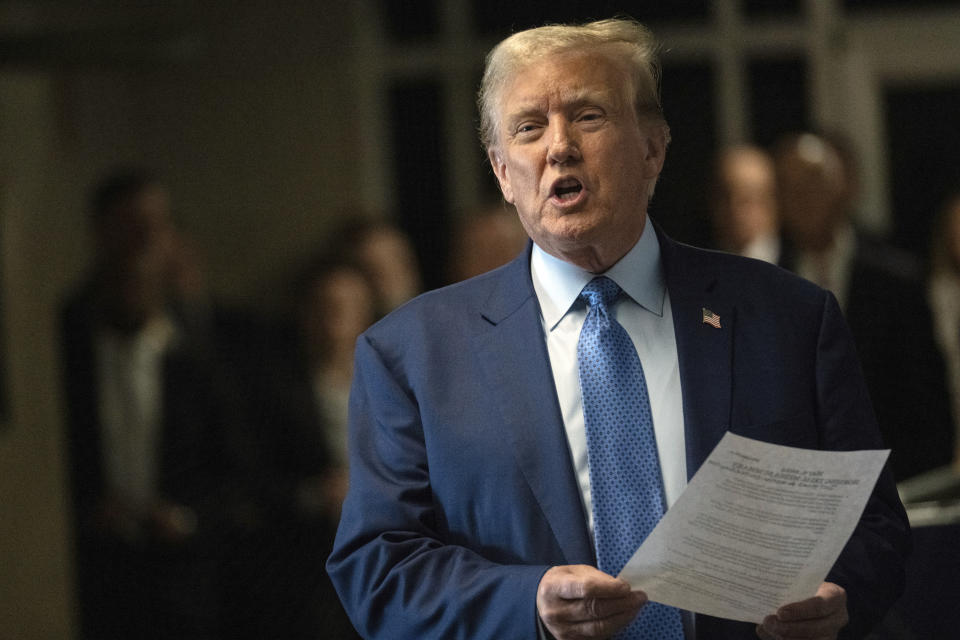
{"x": 562, "y": 146}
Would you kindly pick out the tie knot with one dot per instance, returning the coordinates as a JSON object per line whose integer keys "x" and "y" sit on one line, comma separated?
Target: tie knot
{"x": 600, "y": 292}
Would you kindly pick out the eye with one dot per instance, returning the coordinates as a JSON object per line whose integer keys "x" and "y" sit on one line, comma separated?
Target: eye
{"x": 527, "y": 130}
{"x": 591, "y": 115}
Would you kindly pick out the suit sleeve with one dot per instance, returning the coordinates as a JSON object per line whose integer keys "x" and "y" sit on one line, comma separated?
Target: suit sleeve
{"x": 394, "y": 572}
{"x": 871, "y": 566}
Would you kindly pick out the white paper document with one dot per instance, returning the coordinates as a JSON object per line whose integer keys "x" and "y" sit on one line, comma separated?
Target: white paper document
{"x": 759, "y": 526}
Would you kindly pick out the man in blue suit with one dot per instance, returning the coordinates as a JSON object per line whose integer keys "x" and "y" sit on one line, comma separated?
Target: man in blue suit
{"x": 470, "y": 512}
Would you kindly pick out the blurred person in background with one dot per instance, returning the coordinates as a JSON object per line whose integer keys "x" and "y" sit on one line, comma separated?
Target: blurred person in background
{"x": 944, "y": 291}
{"x": 385, "y": 254}
{"x": 336, "y": 303}
{"x": 150, "y": 420}
{"x": 744, "y": 203}
{"x": 300, "y": 415}
{"x": 880, "y": 290}
{"x": 487, "y": 238}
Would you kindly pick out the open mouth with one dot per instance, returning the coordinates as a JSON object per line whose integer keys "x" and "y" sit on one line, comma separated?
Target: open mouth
{"x": 567, "y": 189}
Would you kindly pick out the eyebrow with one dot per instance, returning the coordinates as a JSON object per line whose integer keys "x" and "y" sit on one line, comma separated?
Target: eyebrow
{"x": 569, "y": 100}
{"x": 523, "y": 112}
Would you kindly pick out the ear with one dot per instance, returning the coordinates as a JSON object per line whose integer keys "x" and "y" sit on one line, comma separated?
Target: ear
{"x": 658, "y": 135}
{"x": 500, "y": 170}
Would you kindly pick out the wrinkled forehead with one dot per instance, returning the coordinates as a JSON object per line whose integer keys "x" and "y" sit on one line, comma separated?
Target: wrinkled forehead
{"x": 567, "y": 77}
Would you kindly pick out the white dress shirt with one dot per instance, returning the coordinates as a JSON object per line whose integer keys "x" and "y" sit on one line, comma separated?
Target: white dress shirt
{"x": 130, "y": 380}
{"x": 831, "y": 268}
{"x": 332, "y": 400}
{"x": 645, "y": 314}
{"x": 764, "y": 247}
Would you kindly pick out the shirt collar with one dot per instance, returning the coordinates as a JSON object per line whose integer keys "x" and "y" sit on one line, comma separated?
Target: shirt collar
{"x": 155, "y": 337}
{"x": 639, "y": 273}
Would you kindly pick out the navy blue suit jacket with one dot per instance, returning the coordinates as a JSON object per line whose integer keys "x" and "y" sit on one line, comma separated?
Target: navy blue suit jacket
{"x": 462, "y": 489}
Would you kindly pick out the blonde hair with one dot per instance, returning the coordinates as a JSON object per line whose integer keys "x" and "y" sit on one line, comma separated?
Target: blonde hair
{"x": 634, "y": 40}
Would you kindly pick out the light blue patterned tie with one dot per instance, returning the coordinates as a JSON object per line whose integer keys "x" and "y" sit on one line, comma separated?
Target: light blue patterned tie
{"x": 625, "y": 482}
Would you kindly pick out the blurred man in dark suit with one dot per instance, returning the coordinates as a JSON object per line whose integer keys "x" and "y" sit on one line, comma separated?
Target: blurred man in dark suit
{"x": 881, "y": 292}
{"x": 148, "y": 429}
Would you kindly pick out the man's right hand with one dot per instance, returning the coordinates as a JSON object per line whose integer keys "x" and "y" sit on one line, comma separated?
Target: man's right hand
{"x": 578, "y": 602}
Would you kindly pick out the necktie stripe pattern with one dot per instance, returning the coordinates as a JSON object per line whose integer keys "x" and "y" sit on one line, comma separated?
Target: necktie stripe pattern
{"x": 625, "y": 482}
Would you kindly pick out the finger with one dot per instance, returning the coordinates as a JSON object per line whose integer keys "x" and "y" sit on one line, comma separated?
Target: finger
{"x": 829, "y": 600}
{"x": 813, "y": 609}
{"x": 601, "y": 628}
{"x": 580, "y": 581}
{"x": 827, "y": 627}
{"x": 592, "y": 609}
{"x": 603, "y": 608}
{"x": 575, "y": 601}
{"x": 763, "y": 634}
{"x": 592, "y": 583}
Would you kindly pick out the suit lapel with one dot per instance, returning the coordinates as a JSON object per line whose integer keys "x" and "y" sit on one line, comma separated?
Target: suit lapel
{"x": 516, "y": 365}
{"x": 705, "y": 352}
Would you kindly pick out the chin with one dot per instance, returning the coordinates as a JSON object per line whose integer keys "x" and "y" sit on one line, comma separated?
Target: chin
{"x": 577, "y": 227}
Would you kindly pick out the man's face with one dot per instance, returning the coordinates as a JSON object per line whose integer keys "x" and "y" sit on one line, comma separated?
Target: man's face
{"x": 134, "y": 244}
{"x": 572, "y": 156}
{"x": 136, "y": 232}
{"x": 811, "y": 190}
{"x": 338, "y": 308}
{"x": 747, "y": 203}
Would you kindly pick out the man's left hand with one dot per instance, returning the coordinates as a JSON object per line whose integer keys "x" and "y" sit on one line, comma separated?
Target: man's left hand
{"x": 818, "y": 618}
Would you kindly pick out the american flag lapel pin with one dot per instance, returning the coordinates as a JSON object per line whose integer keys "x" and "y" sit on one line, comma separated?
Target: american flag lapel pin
{"x": 710, "y": 318}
